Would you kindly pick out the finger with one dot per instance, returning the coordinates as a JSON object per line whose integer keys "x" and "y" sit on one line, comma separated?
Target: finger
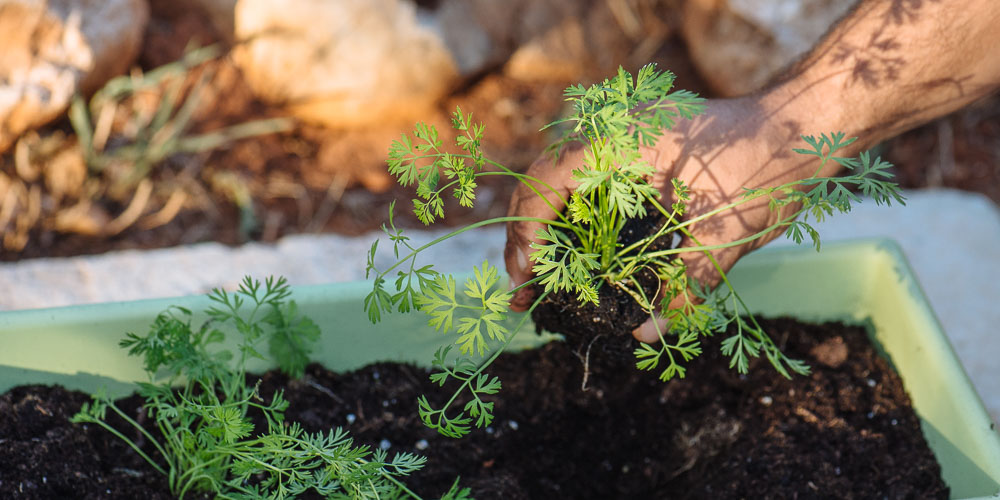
{"x": 701, "y": 270}
{"x": 518, "y": 268}
{"x": 539, "y": 202}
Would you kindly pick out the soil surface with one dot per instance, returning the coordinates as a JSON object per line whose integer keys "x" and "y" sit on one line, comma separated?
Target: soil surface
{"x": 846, "y": 431}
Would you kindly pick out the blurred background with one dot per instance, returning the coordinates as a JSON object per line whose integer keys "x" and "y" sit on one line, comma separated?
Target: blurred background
{"x": 136, "y": 124}
{"x": 155, "y": 148}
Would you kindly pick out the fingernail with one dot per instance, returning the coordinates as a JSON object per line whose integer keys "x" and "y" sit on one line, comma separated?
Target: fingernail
{"x": 520, "y": 273}
{"x": 522, "y": 260}
{"x": 647, "y": 332}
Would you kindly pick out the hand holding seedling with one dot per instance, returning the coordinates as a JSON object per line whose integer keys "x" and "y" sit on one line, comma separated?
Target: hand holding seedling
{"x": 618, "y": 173}
{"x": 887, "y": 67}
{"x": 716, "y": 155}
{"x": 722, "y": 176}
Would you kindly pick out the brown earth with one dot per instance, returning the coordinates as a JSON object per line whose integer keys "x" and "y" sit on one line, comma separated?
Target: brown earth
{"x": 608, "y": 325}
{"x": 845, "y": 431}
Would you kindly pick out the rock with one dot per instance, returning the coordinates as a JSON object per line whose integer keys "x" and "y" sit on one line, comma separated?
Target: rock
{"x": 740, "y": 45}
{"x": 176, "y": 26}
{"x": 56, "y": 160}
{"x": 477, "y": 33}
{"x": 345, "y": 63}
{"x": 831, "y": 352}
{"x": 221, "y": 14}
{"x": 364, "y": 63}
{"x": 57, "y": 48}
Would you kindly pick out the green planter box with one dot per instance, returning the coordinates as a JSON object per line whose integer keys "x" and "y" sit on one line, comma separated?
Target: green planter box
{"x": 866, "y": 282}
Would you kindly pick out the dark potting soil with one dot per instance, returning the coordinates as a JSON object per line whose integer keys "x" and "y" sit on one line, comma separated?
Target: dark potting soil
{"x": 846, "y": 431}
{"x": 609, "y": 324}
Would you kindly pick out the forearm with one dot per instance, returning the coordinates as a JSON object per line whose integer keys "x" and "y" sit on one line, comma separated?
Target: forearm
{"x": 889, "y": 66}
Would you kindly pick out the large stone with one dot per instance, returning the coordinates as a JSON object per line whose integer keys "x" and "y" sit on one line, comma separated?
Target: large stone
{"x": 53, "y": 49}
{"x": 570, "y": 41}
{"x": 738, "y": 46}
{"x": 345, "y": 63}
{"x": 356, "y": 63}
{"x": 221, "y": 14}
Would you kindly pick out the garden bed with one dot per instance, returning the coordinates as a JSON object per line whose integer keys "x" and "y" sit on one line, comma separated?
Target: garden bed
{"x": 847, "y": 430}
{"x": 859, "y": 283}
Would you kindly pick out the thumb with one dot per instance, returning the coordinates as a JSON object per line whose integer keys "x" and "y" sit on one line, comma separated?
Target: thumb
{"x": 700, "y": 271}
{"x": 539, "y": 196}
{"x": 518, "y": 265}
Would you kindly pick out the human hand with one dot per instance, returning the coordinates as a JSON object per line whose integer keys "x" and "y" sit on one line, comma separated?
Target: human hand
{"x": 735, "y": 144}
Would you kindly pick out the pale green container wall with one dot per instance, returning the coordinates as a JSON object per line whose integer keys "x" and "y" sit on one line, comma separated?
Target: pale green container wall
{"x": 81, "y": 342}
{"x": 860, "y": 282}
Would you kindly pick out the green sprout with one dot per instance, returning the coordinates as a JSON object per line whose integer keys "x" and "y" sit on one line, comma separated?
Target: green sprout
{"x": 579, "y": 249}
{"x": 199, "y": 399}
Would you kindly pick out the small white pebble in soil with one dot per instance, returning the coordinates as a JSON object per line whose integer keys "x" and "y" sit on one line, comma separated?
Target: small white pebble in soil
{"x": 421, "y": 445}
{"x": 351, "y": 418}
{"x": 871, "y": 382}
{"x": 376, "y": 375}
{"x": 513, "y": 424}
{"x": 595, "y": 319}
{"x": 489, "y": 430}
{"x": 45, "y": 480}
{"x": 836, "y": 471}
{"x": 385, "y": 404}
{"x": 894, "y": 422}
{"x": 766, "y": 400}
{"x": 384, "y": 444}
{"x": 870, "y": 415}
{"x": 625, "y": 469}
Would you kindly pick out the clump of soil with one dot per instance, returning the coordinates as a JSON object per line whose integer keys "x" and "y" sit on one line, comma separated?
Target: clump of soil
{"x": 845, "y": 431}
{"x": 608, "y": 325}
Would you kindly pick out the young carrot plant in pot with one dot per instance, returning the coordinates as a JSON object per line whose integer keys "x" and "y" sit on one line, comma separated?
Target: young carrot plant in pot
{"x": 198, "y": 398}
{"x": 609, "y": 254}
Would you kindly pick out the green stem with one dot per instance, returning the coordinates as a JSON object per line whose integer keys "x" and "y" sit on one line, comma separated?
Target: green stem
{"x": 758, "y": 330}
{"x": 725, "y": 277}
{"x": 667, "y": 227}
{"x": 526, "y": 284}
{"x": 496, "y": 353}
{"x": 706, "y": 248}
{"x": 523, "y": 178}
{"x": 400, "y": 485}
{"x": 769, "y": 191}
{"x": 495, "y": 220}
{"x": 131, "y": 443}
{"x": 527, "y": 180}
